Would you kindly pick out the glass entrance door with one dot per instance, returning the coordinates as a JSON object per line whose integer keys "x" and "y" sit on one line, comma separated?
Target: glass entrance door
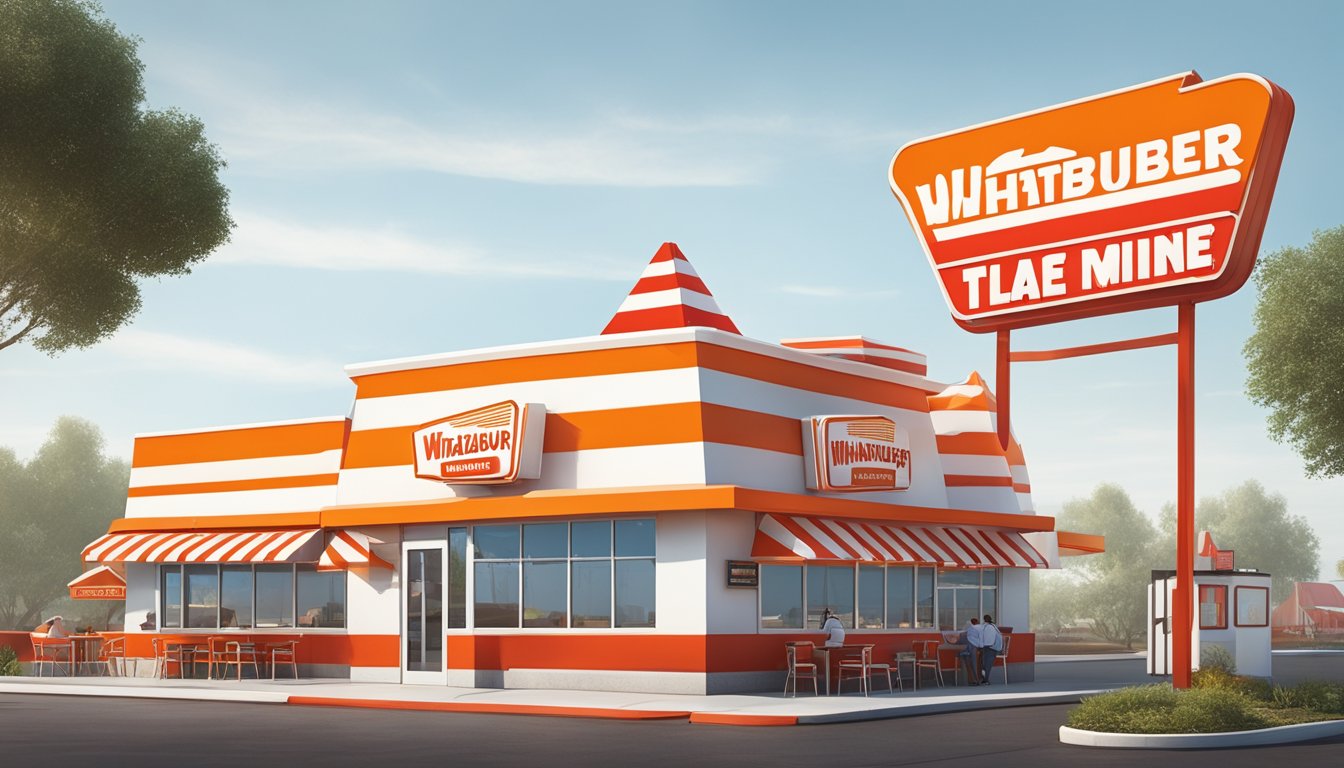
{"x": 423, "y": 577}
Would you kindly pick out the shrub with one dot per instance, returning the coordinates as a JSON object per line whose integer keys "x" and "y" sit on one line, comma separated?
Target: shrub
{"x": 1160, "y": 709}
{"x": 1327, "y": 698}
{"x": 1219, "y": 678}
{"x": 1216, "y": 657}
{"x": 9, "y": 662}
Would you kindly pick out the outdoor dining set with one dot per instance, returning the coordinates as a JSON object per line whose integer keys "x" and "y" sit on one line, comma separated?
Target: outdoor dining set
{"x": 179, "y": 656}
{"x": 860, "y": 663}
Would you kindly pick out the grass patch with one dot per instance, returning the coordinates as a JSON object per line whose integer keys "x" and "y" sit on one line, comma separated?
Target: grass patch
{"x": 1218, "y": 702}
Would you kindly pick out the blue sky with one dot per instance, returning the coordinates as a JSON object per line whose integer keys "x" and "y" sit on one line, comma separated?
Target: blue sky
{"x": 411, "y": 178}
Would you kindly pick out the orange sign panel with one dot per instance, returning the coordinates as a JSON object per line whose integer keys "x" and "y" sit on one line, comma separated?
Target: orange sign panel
{"x": 1148, "y": 196}
{"x": 855, "y": 453}
{"x": 498, "y": 443}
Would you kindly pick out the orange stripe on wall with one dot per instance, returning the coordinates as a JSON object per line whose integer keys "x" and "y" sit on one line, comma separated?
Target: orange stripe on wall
{"x": 597, "y": 362}
{"x": 614, "y": 428}
{"x": 601, "y": 362}
{"x": 230, "y": 444}
{"x": 970, "y": 444}
{"x": 258, "y": 484}
{"x": 976, "y": 481}
{"x": 334, "y": 648}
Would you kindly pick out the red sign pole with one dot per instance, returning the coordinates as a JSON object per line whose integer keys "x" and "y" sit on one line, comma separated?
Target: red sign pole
{"x": 1001, "y": 378}
{"x": 1183, "y": 610}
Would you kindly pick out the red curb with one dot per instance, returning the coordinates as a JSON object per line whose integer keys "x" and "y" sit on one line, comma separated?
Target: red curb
{"x": 714, "y": 718}
{"x": 493, "y": 709}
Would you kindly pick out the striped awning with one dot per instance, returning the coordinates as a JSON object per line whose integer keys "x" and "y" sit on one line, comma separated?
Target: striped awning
{"x": 792, "y": 537}
{"x": 203, "y": 547}
{"x": 347, "y": 549}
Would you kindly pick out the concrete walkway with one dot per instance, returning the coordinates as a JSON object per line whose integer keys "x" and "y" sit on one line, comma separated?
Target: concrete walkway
{"x": 1058, "y": 681}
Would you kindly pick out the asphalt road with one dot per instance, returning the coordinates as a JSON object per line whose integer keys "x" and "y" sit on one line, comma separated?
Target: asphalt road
{"x": 69, "y": 730}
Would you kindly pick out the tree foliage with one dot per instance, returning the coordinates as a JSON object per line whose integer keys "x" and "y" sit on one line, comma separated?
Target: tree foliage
{"x": 1296, "y": 355}
{"x": 1112, "y": 592}
{"x": 50, "y": 508}
{"x": 96, "y": 190}
{"x": 1265, "y": 536}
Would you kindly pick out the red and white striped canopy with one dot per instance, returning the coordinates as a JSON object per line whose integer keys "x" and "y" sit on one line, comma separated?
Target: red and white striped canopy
{"x": 346, "y": 549}
{"x": 789, "y": 537}
{"x": 669, "y": 294}
{"x": 202, "y": 547}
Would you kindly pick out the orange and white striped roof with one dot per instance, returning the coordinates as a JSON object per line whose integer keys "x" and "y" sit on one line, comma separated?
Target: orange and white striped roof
{"x": 863, "y": 350}
{"x": 978, "y": 473}
{"x": 203, "y": 547}
{"x": 669, "y": 294}
{"x": 793, "y": 537}
{"x": 346, "y": 549}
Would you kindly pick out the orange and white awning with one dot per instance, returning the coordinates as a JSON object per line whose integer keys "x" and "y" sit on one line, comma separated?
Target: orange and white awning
{"x": 347, "y": 549}
{"x": 204, "y": 547}
{"x": 793, "y": 537}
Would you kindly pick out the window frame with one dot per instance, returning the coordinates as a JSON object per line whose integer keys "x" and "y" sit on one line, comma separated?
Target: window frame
{"x": 160, "y": 604}
{"x": 1220, "y": 591}
{"x": 1236, "y": 599}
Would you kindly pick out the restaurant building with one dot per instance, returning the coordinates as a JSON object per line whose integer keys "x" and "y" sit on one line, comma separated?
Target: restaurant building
{"x": 655, "y": 508}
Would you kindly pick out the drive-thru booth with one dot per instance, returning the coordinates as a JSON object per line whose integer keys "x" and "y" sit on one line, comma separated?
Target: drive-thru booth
{"x": 659, "y": 507}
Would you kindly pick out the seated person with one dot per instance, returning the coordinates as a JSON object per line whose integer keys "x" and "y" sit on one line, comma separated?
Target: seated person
{"x": 970, "y": 659}
{"x": 835, "y": 631}
{"x": 52, "y": 627}
{"x": 150, "y": 622}
{"x": 991, "y": 645}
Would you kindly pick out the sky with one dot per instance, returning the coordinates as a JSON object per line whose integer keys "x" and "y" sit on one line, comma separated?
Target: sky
{"x": 418, "y": 177}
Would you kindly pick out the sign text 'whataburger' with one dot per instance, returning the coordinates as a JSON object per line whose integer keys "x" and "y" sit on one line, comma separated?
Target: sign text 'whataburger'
{"x": 855, "y": 453}
{"x": 497, "y": 443}
{"x": 1147, "y": 196}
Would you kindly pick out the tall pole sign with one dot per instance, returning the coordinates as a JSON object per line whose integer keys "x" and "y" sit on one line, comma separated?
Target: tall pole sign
{"x": 1150, "y": 196}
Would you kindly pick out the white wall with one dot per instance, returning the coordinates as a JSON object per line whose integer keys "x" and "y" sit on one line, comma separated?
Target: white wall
{"x": 731, "y": 610}
{"x": 141, "y": 594}
{"x": 680, "y": 573}
{"x": 373, "y": 595}
{"x": 1015, "y": 599}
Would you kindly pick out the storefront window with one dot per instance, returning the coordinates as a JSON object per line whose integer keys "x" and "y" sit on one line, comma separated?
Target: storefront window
{"x": 782, "y": 596}
{"x": 320, "y": 597}
{"x": 170, "y": 593}
{"x": 235, "y": 601}
{"x": 275, "y": 596}
{"x": 830, "y": 587}
{"x": 924, "y": 594}
{"x": 900, "y": 597}
{"x": 262, "y": 596}
{"x": 457, "y": 578}
{"x": 965, "y": 594}
{"x": 1213, "y": 607}
{"x": 594, "y": 573}
{"x": 872, "y": 597}
{"x": 202, "y": 592}
{"x": 634, "y": 593}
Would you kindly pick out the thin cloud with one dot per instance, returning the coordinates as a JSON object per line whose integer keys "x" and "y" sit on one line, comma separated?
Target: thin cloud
{"x": 170, "y": 352}
{"x": 264, "y": 240}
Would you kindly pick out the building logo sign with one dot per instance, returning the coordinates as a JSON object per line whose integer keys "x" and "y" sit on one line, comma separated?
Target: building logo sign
{"x": 1148, "y": 196}
{"x": 498, "y": 443}
{"x": 855, "y": 453}
{"x": 98, "y": 593}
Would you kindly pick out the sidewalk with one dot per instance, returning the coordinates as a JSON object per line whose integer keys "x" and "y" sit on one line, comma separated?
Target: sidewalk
{"x": 1059, "y": 680}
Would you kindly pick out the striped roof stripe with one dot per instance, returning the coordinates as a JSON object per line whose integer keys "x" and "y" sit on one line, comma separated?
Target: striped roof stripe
{"x": 200, "y": 547}
{"x": 864, "y": 350}
{"x": 349, "y": 548}
{"x": 669, "y": 294}
{"x": 795, "y": 537}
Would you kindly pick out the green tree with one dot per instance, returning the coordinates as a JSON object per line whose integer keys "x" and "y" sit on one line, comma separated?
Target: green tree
{"x": 1113, "y": 586}
{"x": 1339, "y": 568}
{"x": 1265, "y": 536}
{"x": 96, "y": 190}
{"x": 1054, "y": 602}
{"x": 50, "y": 508}
{"x": 1297, "y": 350}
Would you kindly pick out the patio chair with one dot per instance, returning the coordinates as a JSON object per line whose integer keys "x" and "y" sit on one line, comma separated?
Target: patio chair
{"x": 169, "y": 651}
{"x": 112, "y": 655}
{"x": 863, "y": 668}
{"x": 284, "y": 653}
{"x": 54, "y": 651}
{"x": 926, "y": 657}
{"x": 1002, "y": 659}
{"x": 806, "y": 670}
{"x": 225, "y": 653}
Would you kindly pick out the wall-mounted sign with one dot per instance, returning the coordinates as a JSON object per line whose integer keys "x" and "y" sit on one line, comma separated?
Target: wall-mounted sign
{"x": 855, "y": 453}
{"x": 498, "y": 443}
{"x": 1148, "y": 196}
{"x": 743, "y": 573}
{"x": 101, "y": 583}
